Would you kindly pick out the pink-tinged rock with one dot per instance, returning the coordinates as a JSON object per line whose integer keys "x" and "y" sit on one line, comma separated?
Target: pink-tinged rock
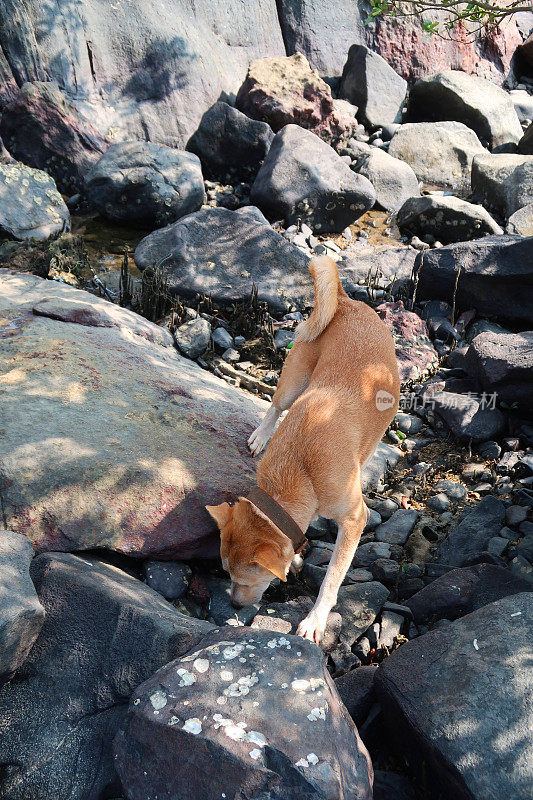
{"x": 110, "y": 439}
{"x": 284, "y": 90}
{"x": 44, "y": 130}
{"x": 414, "y": 350}
{"x": 413, "y": 54}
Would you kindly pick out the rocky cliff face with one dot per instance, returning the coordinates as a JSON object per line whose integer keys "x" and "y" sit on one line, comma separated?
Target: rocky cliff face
{"x": 146, "y": 73}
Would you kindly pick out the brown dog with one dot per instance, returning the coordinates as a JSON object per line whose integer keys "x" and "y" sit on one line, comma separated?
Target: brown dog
{"x": 340, "y": 381}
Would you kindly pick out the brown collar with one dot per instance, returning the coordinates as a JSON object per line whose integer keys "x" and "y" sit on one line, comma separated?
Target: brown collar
{"x": 279, "y": 517}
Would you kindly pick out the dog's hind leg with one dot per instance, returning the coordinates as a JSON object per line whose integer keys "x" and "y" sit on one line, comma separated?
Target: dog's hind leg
{"x": 350, "y": 529}
{"x": 294, "y": 379}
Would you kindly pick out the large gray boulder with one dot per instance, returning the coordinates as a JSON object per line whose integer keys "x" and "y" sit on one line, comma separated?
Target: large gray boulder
{"x": 257, "y": 716}
{"x": 145, "y": 184}
{"x": 470, "y": 537}
{"x": 474, "y": 101}
{"x": 495, "y": 277}
{"x": 461, "y": 591}
{"x": 440, "y": 153}
{"x": 303, "y": 178}
{"x": 104, "y": 633}
{"x": 30, "y": 205}
{"x": 133, "y": 439}
{"x": 502, "y": 364}
{"x": 503, "y": 182}
{"x": 44, "y": 130}
{"x": 393, "y": 180}
{"x": 137, "y": 72}
{"x": 224, "y": 253}
{"x": 448, "y": 219}
{"x": 458, "y": 703}
{"x": 21, "y": 614}
{"x": 373, "y": 86}
{"x": 230, "y": 145}
{"x": 469, "y": 418}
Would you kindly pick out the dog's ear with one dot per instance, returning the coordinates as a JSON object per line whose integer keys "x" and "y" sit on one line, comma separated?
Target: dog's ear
{"x": 270, "y": 557}
{"x": 221, "y": 514}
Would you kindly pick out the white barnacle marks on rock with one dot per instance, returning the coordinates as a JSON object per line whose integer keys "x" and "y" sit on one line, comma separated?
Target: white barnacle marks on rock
{"x": 252, "y": 695}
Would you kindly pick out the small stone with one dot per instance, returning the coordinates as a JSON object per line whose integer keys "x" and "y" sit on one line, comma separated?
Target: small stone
{"x": 453, "y": 489}
{"x": 408, "y": 423}
{"x": 385, "y": 570}
{"x": 283, "y": 338}
{"x": 439, "y": 502}
{"x": 514, "y": 515}
{"x": 397, "y": 528}
{"x": 489, "y": 450}
{"x": 374, "y": 519}
{"x": 497, "y": 545}
{"x": 386, "y": 508}
{"x": 367, "y": 553}
{"x": 169, "y": 578}
{"x": 193, "y": 337}
{"x": 222, "y": 339}
{"x": 231, "y": 355}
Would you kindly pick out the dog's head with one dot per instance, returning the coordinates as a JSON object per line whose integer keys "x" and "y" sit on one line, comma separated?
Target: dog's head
{"x": 253, "y": 550}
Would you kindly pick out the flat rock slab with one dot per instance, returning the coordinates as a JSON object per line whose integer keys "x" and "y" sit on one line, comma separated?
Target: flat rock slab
{"x": 285, "y": 618}
{"x": 121, "y": 441}
{"x": 476, "y": 526}
{"x": 462, "y": 591}
{"x": 459, "y": 702}
{"x": 257, "y": 716}
{"x": 359, "y": 605}
{"x": 495, "y": 277}
{"x": 224, "y": 253}
{"x": 21, "y": 614}
{"x": 104, "y": 633}
{"x": 133, "y": 440}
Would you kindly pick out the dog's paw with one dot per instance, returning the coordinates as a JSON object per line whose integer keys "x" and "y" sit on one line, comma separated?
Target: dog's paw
{"x": 312, "y": 628}
{"x": 257, "y": 442}
{"x": 296, "y": 564}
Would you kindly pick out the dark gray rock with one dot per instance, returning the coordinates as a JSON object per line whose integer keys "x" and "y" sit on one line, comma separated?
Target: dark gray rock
{"x": 169, "y": 578}
{"x": 452, "y": 489}
{"x": 359, "y": 606}
{"x": 373, "y": 86}
{"x": 221, "y": 610}
{"x": 41, "y": 128}
{"x": 439, "y": 502}
{"x": 369, "y": 552}
{"x": 230, "y": 145}
{"x": 503, "y": 182}
{"x": 525, "y": 547}
{"x": 439, "y": 153}
{"x": 285, "y": 618}
{"x": 447, "y": 219}
{"x": 30, "y": 205}
{"x": 21, "y": 614}
{"x": 223, "y": 253}
{"x": 462, "y": 591}
{"x": 525, "y": 145}
{"x": 476, "y": 526}
{"x": 495, "y": 277}
{"x": 385, "y": 571}
{"x": 103, "y": 634}
{"x": 193, "y": 337}
{"x": 456, "y": 702}
{"x": 141, "y": 75}
{"x": 216, "y": 705}
{"x": 303, "y": 178}
{"x": 474, "y": 101}
{"x": 396, "y": 530}
{"x": 393, "y": 180}
{"x": 502, "y": 363}
{"x": 356, "y": 690}
{"x": 408, "y": 423}
{"x": 222, "y": 339}
{"x": 144, "y": 183}
{"x": 390, "y": 786}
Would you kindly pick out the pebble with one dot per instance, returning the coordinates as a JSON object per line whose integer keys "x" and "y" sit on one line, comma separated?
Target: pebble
{"x": 489, "y": 450}
{"x": 368, "y": 553}
{"x": 453, "y": 489}
{"x": 397, "y": 528}
{"x": 385, "y": 570}
{"x": 169, "y": 578}
{"x": 374, "y": 519}
{"x": 421, "y": 468}
{"x": 408, "y": 423}
{"x": 283, "y": 338}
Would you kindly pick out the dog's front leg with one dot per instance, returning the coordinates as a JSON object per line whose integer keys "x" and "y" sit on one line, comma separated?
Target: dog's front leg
{"x": 259, "y": 438}
{"x": 314, "y": 625}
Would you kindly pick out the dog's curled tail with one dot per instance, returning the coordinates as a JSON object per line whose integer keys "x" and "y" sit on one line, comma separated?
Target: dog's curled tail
{"x": 327, "y": 290}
